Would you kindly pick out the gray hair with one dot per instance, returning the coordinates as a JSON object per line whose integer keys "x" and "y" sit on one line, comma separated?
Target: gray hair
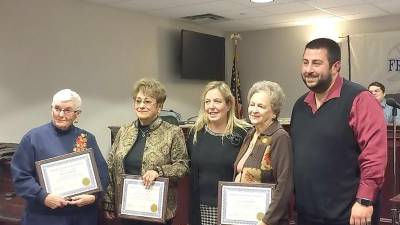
{"x": 273, "y": 91}
{"x": 152, "y": 88}
{"x": 66, "y": 95}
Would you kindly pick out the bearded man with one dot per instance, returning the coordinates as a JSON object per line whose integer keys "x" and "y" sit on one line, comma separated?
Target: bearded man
{"x": 339, "y": 142}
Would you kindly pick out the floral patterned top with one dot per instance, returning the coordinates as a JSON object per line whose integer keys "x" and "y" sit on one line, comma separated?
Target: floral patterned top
{"x": 80, "y": 143}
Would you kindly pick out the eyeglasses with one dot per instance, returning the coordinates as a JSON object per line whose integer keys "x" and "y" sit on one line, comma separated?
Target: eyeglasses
{"x": 146, "y": 102}
{"x": 67, "y": 111}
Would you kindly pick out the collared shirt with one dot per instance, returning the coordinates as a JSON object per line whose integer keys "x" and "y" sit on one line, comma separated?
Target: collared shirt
{"x": 369, "y": 128}
{"x": 387, "y": 109}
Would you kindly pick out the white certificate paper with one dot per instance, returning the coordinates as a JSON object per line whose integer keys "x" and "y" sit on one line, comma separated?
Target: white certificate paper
{"x": 137, "y": 202}
{"x": 69, "y": 175}
{"x": 243, "y": 204}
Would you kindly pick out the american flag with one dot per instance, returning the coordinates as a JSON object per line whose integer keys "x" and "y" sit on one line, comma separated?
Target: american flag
{"x": 235, "y": 87}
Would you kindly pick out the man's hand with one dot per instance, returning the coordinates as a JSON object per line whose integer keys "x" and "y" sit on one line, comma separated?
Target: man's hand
{"x": 361, "y": 215}
{"x": 149, "y": 177}
{"x": 54, "y": 201}
{"x": 82, "y": 200}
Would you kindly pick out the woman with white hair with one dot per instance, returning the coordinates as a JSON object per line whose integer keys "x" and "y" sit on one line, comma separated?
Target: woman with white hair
{"x": 56, "y": 138}
{"x": 266, "y": 152}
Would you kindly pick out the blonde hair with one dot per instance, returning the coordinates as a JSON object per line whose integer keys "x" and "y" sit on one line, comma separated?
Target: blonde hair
{"x": 150, "y": 87}
{"x": 273, "y": 91}
{"x": 67, "y": 95}
{"x": 202, "y": 119}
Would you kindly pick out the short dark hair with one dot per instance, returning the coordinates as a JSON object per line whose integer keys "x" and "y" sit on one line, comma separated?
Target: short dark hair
{"x": 377, "y": 84}
{"x": 330, "y": 45}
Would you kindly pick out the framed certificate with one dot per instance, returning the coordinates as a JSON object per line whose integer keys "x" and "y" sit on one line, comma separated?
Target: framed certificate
{"x": 242, "y": 203}
{"x": 137, "y": 202}
{"x": 70, "y": 174}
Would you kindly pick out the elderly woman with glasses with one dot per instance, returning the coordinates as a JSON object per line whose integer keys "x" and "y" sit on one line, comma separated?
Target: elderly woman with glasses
{"x": 266, "y": 153}
{"x": 56, "y": 138}
{"x": 149, "y": 147}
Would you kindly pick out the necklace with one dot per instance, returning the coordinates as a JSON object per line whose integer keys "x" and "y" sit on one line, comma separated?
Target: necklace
{"x": 212, "y": 132}
{"x": 143, "y": 132}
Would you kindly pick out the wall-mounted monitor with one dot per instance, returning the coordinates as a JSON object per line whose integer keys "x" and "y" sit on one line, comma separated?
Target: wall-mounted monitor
{"x": 202, "y": 56}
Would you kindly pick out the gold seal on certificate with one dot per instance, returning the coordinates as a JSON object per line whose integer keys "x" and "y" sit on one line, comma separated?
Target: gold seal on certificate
{"x": 259, "y": 216}
{"x": 86, "y": 181}
{"x": 153, "y": 208}
{"x": 141, "y": 203}
{"x": 70, "y": 174}
{"x": 243, "y": 203}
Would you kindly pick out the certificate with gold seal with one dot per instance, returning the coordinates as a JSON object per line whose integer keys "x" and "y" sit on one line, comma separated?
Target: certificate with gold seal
{"x": 242, "y": 203}
{"x": 138, "y": 202}
{"x": 70, "y": 174}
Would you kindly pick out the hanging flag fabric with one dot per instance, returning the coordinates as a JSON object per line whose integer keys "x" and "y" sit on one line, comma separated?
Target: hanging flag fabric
{"x": 235, "y": 86}
{"x": 374, "y": 57}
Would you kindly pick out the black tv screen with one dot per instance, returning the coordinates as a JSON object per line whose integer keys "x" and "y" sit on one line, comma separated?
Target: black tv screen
{"x": 203, "y": 56}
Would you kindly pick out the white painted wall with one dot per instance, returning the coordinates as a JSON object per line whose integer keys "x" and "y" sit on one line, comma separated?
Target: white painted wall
{"x": 48, "y": 45}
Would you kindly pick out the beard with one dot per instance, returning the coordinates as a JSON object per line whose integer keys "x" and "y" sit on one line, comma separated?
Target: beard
{"x": 321, "y": 85}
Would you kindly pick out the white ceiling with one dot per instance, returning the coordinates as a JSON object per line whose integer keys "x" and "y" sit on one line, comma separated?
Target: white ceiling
{"x": 243, "y": 16}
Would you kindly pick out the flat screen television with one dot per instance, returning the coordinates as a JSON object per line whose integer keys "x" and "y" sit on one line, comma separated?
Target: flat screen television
{"x": 202, "y": 56}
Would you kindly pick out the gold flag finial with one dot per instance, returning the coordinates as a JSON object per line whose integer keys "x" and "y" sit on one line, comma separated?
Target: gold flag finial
{"x": 236, "y": 37}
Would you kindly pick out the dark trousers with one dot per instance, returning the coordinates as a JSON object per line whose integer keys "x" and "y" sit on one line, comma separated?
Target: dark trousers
{"x": 301, "y": 220}
{"x": 375, "y": 220}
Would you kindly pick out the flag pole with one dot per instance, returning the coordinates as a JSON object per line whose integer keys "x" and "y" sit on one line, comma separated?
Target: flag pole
{"x": 235, "y": 37}
{"x": 235, "y": 83}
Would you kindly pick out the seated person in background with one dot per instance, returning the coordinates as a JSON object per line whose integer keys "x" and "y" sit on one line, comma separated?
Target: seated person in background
{"x": 378, "y": 91}
{"x": 56, "y": 138}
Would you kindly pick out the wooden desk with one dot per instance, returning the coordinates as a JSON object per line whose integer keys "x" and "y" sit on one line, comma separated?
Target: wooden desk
{"x": 11, "y": 207}
{"x": 388, "y": 190}
{"x": 395, "y": 211}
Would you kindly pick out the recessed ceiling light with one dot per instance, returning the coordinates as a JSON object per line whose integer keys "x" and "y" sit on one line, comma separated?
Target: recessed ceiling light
{"x": 261, "y": 1}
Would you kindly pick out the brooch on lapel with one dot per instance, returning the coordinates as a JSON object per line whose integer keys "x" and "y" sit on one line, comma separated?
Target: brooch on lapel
{"x": 235, "y": 139}
{"x": 80, "y": 143}
{"x": 266, "y": 140}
